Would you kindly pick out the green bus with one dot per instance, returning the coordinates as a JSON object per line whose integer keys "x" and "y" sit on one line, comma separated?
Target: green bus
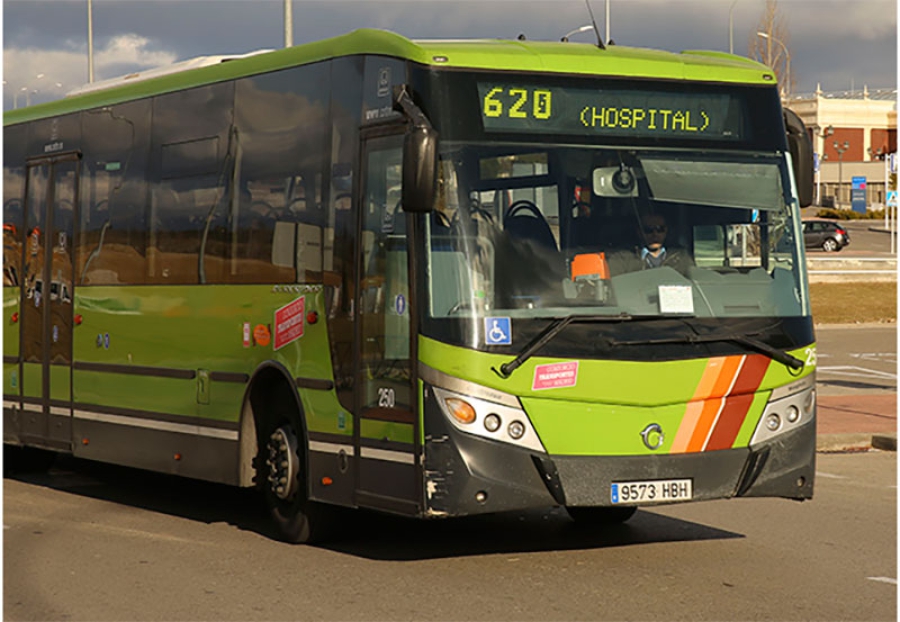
{"x": 380, "y": 273}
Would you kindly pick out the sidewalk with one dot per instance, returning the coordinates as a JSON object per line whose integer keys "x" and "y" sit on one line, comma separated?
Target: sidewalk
{"x": 856, "y": 422}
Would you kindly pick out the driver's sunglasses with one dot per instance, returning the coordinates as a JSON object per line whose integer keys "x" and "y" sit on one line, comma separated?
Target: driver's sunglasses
{"x": 655, "y": 229}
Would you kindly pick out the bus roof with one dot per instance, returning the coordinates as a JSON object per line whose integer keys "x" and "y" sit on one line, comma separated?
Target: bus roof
{"x": 495, "y": 54}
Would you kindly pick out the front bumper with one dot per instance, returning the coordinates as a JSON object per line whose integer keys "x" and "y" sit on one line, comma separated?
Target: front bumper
{"x": 466, "y": 474}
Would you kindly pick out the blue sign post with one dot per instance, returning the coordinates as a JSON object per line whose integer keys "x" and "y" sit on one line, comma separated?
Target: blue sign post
{"x": 858, "y": 195}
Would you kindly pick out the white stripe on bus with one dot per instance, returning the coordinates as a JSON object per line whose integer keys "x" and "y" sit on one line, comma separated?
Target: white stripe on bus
{"x": 390, "y": 456}
{"x": 153, "y": 424}
{"x": 330, "y": 448}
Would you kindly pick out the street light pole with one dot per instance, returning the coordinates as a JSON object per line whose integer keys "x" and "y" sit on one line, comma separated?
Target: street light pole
{"x": 288, "y": 24}
{"x": 840, "y": 151}
{"x": 731, "y": 27}
{"x": 786, "y": 89}
{"x": 607, "y": 21}
{"x": 90, "y": 35}
{"x": 825, "y": 133}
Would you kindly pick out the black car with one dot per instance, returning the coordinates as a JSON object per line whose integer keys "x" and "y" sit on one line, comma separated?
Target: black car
{"x": 825, "y": 234}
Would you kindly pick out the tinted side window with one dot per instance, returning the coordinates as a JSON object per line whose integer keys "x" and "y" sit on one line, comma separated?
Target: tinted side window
{"x": 13, "y": 194}
{"x": 191, "y": 159}
{"x": 278, "y": 217}
{"x": 111, "y": 244}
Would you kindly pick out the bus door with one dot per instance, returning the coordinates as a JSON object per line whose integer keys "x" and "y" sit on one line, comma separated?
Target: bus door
{"x": 46, "y": 303}
{"x": 386, "y": 434}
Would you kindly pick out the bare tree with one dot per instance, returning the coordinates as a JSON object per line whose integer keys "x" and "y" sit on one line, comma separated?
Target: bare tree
{"x": 772, "y": 47}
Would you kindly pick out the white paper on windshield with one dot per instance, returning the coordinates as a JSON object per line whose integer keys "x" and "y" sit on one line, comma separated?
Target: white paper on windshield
{"x": 676, "y": 299}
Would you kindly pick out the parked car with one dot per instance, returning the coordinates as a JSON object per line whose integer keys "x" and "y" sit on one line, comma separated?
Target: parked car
{"x": 825, "y": 234}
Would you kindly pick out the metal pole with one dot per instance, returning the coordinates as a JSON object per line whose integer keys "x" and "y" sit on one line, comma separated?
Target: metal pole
{"x": 887, "y": 165}
{"x": 840, "y": 177}
{"x": 785, "y": 88}
{"x": 731, "y": 28}
{"x": 288, "y": 25}
{"x": 90, "y": 41}
{"x": 819, "y": 182}
{"x": 892, "y": 231}
{"x": 607, "y": 21}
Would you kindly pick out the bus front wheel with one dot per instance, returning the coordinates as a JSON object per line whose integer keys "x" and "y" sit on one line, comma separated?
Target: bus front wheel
{"x": 281, "y": 472}
{"x": 601, "y": 515}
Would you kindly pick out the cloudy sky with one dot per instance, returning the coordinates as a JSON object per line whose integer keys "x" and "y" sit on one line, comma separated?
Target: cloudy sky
{"x": 840, "y": 44}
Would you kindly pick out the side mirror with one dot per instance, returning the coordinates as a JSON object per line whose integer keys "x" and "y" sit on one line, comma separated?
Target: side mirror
{"x": 419, "y": 169}
{"x": 801, "y": 155}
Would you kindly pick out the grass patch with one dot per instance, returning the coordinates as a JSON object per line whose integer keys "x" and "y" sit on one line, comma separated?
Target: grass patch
{"x": 853, "y": 303}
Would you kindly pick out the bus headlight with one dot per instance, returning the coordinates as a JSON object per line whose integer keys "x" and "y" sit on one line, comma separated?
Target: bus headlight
{"x": 793, "y": 413}
{"x": 484, "y": 418}
{"x": 789, "y": 407}
{"x": 516, "y": 429}
{"x": 461, "y": 410}
{"x": 492, "y": 422}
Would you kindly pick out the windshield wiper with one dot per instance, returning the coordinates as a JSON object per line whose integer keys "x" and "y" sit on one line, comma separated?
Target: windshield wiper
{"x": 785, "y": 358}
{"x": 546, "y": 335}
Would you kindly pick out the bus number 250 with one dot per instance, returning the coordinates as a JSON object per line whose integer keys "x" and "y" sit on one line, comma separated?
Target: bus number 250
{"x": 516, "y": 103}
{"x": 386, "y": 398}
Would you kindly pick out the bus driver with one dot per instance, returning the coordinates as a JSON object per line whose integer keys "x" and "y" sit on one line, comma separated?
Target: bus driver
{"x": 652, "y": 230}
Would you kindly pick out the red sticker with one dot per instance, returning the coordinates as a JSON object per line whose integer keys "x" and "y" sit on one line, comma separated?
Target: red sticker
{"x": 289, "y": 323}
{"x": 555, "y": 376}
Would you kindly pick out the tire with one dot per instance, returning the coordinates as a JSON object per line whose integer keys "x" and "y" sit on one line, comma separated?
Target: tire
{"x": 830, "y": 245}
{"x": 281, "y": 474}
{"x": 601, "y": 515}
{"x": 27, "y": 459}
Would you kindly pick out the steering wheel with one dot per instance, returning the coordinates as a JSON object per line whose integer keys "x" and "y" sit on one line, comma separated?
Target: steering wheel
{"x": 520, "y": 205}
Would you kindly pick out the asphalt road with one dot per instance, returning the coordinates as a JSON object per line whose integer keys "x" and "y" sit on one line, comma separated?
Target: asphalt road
{"x": 856, "y": 359}
{"x": 92, "y": 543}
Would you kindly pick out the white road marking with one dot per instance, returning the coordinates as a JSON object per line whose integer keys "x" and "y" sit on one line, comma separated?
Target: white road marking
{"x": 858, "y": 372}
{"x": 890, "y": 357}
{"x": 883, "y": 580}
{"x": 831, "y": 475}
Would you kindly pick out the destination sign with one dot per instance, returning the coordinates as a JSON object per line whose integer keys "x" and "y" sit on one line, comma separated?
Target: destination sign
{"x": 587, "y": 112}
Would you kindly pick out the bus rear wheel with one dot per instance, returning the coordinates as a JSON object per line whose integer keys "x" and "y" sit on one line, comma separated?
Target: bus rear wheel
{"x": 281, "y": 475}
{"x": 601, "y": 515}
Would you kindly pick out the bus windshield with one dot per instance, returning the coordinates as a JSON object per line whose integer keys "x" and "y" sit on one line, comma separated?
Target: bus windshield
{"x": 534, "y": 231}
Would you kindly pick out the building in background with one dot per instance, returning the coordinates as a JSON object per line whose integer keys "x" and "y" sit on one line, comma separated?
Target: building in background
{"x": 852, "y": 132}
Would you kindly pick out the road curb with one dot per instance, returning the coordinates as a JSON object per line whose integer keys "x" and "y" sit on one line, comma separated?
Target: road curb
{"x": 863, "y": 441}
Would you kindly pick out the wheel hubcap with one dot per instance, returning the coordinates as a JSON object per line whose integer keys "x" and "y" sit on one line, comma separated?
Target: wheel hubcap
{"x": 283, "y": 463}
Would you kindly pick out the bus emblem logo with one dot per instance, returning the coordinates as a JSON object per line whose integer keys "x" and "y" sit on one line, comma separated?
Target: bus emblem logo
{"x": 653, "y": 436}
{"x": 384, "y": 82}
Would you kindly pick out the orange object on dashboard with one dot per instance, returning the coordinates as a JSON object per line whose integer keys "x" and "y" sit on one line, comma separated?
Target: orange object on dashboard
{"x": 590, "y": 265}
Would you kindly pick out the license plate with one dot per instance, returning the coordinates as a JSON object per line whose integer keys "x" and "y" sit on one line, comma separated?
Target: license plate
{"x": 652, "y": 491}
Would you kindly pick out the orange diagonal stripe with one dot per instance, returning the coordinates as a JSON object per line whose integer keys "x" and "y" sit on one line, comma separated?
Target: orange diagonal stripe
{"x": 712, "y": 407}
{"x": 695, "y": 406}
{"x": 688, "y": 423}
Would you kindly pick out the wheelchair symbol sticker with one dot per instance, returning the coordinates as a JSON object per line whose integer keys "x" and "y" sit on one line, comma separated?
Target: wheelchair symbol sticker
{"x": 497, "y": 331}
